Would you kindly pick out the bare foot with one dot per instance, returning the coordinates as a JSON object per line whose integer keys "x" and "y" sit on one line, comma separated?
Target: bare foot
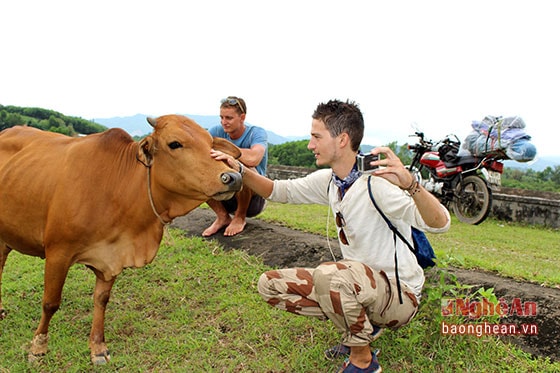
{"x": 235, "y": 227}
{"x": 216, "y": 226}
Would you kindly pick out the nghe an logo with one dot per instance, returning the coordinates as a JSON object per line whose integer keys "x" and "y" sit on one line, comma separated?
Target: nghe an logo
{"x": 479, "y": 308}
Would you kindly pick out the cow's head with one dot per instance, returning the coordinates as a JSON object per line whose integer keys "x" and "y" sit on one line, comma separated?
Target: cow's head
{"x": 178, "y": 152}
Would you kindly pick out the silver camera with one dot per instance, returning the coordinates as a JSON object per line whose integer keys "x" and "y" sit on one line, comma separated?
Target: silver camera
{"x": 363, "y": 161}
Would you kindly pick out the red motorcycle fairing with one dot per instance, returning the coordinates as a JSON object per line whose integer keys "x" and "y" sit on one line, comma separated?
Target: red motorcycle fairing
{"x": 495, "y": 166}
{"x": 433, "y": 160}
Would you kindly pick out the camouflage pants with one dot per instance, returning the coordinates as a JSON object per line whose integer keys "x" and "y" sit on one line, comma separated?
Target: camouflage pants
{"x": 352, "y": 295}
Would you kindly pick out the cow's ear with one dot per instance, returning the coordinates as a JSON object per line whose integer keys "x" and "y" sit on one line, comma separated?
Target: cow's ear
{"x": 146, "y": 151}
{"x": 227, "y": 147}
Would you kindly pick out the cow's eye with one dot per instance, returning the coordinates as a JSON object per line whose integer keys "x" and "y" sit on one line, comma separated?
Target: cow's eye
{"x": 175, "y": 145}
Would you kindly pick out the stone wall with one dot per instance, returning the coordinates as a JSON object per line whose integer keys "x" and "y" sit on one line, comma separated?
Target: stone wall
{"x": 287, "y": 172}
{"x": 508, "y": 204}
{"x": 519, "y": 206}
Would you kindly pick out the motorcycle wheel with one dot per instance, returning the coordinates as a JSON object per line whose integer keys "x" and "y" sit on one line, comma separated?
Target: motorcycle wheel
{"x": 472, "y": 201}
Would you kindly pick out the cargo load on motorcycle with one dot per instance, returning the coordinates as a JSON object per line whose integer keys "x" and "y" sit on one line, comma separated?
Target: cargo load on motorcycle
{"x": 498, "y": 135}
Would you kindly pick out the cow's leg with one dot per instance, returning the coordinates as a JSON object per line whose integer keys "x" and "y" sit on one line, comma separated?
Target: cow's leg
{"x": 99, "y": 351}
{"x": 4, "y": 251}
{"x": 56, "y": 270}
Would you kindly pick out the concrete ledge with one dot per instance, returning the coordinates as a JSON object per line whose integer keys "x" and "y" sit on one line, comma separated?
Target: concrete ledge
{"x": 526, "y": 209}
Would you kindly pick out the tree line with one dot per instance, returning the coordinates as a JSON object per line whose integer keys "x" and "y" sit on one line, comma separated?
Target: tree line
{"x": 295, "y": 153}
{"x": 47, "y": 120}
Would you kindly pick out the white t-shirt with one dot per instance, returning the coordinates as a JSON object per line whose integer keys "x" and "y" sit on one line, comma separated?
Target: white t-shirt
{"x": 370, "y": 240}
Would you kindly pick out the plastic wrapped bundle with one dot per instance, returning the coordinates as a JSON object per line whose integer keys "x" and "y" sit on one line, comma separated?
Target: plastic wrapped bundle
{"x": 500, "y": 135}
{"x": 521, "y": 150}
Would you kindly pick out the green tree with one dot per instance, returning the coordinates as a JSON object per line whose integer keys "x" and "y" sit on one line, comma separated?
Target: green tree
{"x": 55, "y": 122}
{"x": 3, "y": 117}
{"x": 47, "y": 119}
{"x": 293, "y": 153}
{"x": 555, "y": 175}
{"x": 10, "y": 120}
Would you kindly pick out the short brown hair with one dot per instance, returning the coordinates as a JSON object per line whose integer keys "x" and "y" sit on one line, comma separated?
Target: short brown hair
{"x": 235, "y": 102}
{"x": 342, "y": 117}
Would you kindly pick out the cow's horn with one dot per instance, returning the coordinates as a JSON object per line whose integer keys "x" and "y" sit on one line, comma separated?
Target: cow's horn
{"x": 152, "y": 121}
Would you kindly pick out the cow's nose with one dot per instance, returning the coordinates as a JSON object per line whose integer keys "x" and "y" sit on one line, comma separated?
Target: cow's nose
{"x": 233, "y": 180}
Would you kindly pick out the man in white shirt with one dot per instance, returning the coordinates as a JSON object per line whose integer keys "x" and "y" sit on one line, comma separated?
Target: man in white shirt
{"x": 359, "y": 294}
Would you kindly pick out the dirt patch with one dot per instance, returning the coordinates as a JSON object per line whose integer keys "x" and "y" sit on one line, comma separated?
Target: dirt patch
{"x": 283, "y": 247}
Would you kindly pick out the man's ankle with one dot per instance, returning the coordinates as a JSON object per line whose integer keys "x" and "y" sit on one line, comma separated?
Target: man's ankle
{"x": 360, "y": 356}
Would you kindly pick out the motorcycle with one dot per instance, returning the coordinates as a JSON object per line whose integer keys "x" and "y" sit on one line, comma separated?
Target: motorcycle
{"x": 463, "y": 184}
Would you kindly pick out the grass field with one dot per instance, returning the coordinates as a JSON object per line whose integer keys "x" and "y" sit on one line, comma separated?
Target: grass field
{"x": 196, "y": 309}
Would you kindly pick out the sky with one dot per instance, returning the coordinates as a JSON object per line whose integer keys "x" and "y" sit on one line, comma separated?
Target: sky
{"x": 432, "y": 65}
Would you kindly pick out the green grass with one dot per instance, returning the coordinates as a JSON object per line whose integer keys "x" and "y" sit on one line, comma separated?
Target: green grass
{"x": 196, "y": 309}
{"x": 522, "y": 252}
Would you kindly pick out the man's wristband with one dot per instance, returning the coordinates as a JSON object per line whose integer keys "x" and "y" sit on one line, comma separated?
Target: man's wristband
{"x": 411, "y": 192}
{"x": 241, "y": 168}
{"x": 413, "y": 188}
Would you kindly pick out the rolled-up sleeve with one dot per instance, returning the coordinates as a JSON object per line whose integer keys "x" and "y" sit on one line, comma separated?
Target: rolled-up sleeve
{"x": 312, "y": 188}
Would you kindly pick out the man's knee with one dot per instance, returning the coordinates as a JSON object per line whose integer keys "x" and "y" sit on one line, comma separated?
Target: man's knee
{"x": 326, "y": 279}
{"x": 256, "y": 206}
{"x": 264, "y": 285}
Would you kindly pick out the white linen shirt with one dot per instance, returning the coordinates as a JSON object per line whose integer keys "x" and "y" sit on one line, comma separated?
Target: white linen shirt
{"x": 370, "y": 241}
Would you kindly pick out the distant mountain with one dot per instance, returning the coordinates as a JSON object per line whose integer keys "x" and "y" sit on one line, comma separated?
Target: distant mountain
{"x": 539, "y": 164}
{"x": 137, "y": 125}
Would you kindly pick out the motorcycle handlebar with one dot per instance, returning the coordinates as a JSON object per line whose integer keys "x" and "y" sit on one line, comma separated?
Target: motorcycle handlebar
{"x": 424, "y": 145}
{"x": 413, "y": 147}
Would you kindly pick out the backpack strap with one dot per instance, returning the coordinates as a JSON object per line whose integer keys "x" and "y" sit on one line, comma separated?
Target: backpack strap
{"x": 391, "y": 226}
{"x": 396, "y": 234}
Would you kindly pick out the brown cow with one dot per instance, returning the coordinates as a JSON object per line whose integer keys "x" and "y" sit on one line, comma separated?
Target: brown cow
{"x": 101, "y": 200}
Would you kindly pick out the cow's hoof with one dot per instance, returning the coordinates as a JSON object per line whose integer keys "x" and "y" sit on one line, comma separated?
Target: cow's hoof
{"x": 3, "y": 314}
{"x": 101, "y": 359}
{"x": 39, "y": 347}
{"x": 34, "y": 358}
